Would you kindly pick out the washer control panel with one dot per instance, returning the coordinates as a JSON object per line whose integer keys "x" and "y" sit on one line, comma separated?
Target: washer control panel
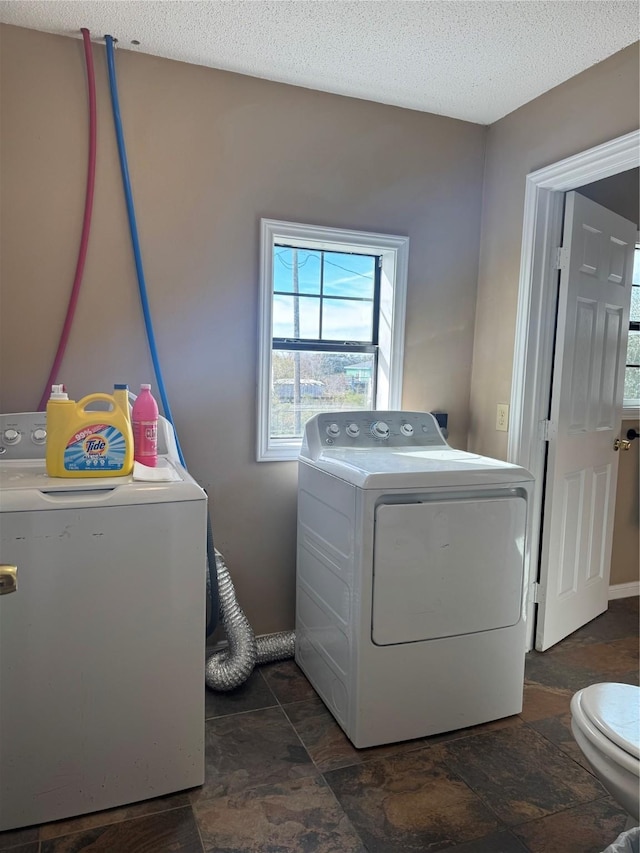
{"x": 374, "y": 429}
{"x": 23, "y": 436}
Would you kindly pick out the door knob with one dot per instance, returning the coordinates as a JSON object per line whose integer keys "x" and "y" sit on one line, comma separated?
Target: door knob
{"x": 8, "y": 578}
{"x": 621, "y": 444}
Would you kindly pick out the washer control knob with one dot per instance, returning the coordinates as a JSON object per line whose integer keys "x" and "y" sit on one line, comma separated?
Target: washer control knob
{"x": 333, "y": 430}
{"x": 353, "y": 430}
{"x": 11, "y": 436}
{"x": 406, "y": 429}
{"x": 380, "y": 429}
{"x": 39, "y": 435}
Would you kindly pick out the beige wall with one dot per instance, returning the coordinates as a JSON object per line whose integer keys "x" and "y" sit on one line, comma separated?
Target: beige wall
{"x": 210, "y": 153}
{"x": 600, "y": 104}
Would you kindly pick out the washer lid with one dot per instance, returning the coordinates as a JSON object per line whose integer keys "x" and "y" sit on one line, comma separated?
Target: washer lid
{"x": 25, "y": 486}
{"x": 614, "y": 709}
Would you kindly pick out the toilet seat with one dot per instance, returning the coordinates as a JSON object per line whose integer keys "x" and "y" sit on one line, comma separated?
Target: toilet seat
{"x": 609, "y": 716}
{"x": 605, "y": 721}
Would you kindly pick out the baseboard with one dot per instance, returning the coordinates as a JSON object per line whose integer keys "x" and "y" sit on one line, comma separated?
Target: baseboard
{"x": 624, "y": 590}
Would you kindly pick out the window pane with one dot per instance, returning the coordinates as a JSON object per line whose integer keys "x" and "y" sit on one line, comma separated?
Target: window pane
{"x": 636, "y": 266}
{"x": 632, "y": 383}
{"x": 635, "y": 304}
{"x": 633, "y": 348}
{"x": 287, "y": 260}
{"x": 343, "y": 320}
{"x": 348, "y": 275}
{"x": 326, "y": 382}
{"x": 284, "y": 320}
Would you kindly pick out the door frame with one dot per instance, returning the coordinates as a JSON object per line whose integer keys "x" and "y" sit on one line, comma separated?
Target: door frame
{"x": 535, "y": 319}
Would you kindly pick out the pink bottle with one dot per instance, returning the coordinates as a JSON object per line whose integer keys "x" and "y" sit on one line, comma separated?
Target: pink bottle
{"x": 144, "y": 419}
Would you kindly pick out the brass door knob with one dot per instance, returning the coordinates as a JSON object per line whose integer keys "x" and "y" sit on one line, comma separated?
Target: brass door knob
{"x": 621, "y": 444}
{"x": 8, "y": 578}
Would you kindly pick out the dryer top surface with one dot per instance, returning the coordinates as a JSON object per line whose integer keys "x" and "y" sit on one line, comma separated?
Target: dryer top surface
{"x": 389, "y": 449}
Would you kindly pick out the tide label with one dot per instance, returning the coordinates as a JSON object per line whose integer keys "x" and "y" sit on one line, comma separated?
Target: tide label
{"x": 99, "y": 447}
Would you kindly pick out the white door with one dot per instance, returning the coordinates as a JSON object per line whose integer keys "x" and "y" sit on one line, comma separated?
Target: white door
{"x": 586, "y": 412}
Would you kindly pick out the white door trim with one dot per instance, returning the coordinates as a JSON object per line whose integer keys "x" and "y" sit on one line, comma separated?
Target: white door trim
{"x": 533, "y": 355}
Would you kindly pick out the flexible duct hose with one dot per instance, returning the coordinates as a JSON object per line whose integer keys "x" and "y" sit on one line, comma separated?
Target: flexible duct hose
{"x": 230, "y": 668}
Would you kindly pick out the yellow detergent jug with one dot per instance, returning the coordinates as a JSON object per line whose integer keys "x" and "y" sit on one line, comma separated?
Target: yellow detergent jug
{"x": 82, "y": 443}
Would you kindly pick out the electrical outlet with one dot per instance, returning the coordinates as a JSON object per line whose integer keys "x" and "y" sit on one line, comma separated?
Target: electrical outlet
{"x": 502, "y": 417}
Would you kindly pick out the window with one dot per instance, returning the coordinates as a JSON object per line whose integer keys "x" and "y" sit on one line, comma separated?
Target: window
{"x": 632, "y": 370}
{"x": 332, "y": 305}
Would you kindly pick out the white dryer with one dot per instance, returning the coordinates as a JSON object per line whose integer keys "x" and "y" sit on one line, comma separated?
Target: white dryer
{"x": 411, "y": 565}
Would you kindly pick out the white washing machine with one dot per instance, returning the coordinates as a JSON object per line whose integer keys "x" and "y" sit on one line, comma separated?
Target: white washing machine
{"x": 102, "y": 633}
{"x": 411, "y": 563}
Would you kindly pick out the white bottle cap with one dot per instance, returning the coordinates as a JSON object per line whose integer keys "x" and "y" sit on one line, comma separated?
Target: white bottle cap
{"x": 145, "y": 387}
{"x": 58, "y": 393}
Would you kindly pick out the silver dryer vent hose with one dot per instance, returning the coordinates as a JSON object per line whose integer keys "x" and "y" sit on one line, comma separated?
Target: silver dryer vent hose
{"x": 231, "y": 667}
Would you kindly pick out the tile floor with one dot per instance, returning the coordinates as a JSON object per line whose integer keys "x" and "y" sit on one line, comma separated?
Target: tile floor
{"x": 281, "y": 776}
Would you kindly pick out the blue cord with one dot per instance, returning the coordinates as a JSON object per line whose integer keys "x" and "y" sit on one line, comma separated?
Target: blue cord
{"x": 212, "y": 585}
{"x": 124, "y": 168}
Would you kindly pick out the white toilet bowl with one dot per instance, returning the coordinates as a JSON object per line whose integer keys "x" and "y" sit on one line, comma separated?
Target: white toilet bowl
{"x": 605, "y": 720}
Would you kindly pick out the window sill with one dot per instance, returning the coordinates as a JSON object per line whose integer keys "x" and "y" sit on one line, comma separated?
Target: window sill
{"x": 631, "y": 412}
{"x": 285, "y": 452}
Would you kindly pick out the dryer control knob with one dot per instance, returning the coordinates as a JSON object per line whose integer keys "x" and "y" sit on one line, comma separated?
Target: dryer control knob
{"x": 333, "y": 430}
{"x": 380, "y": 429}
{"x": 353, "y": 430}
{"x": 39, "y": 436}
{"x": 11, "y": 436}
{"x": 406, "y": 429}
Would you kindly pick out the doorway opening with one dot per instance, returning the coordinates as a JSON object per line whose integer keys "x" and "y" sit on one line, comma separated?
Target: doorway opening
{"x": 535, "y": 326}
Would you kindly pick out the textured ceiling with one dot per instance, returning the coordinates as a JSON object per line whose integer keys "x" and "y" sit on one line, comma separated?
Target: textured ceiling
{"x": 475, "y": 60}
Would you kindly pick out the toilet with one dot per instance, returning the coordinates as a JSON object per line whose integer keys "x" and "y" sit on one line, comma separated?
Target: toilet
{"x": 605, "y": 721}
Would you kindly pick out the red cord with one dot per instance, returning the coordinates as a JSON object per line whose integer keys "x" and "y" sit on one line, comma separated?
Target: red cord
{"x": 86, "y": 224}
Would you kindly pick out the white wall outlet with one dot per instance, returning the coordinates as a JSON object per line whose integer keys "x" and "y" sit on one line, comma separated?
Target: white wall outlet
{"x": 502, "y": 417}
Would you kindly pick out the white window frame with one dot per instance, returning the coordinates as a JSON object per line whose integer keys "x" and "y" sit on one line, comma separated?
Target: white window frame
{"x": 394, "y": 251}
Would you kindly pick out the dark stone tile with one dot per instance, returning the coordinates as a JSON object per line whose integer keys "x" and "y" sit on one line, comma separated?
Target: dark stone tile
{"x": 12, "y": 838}
{"x": 300, "y": 816}
{"x": 33, "y": 847}
{"x": 540, "y": 702}
{"x": 619, "y": 621}
{"x": 519, "y": 774}
{"x": 328, "y": 745}
{"x": 323, "y": 738}
{"x": 584, "y": 829}
{"x": 632, "y": 677}
{"x": 558, "y": 731}
{"x": 630, "y": 605}
{"x": 247, "y": 750}
{"x": 497, "y": 842}
{"x": 410, "y": 802}
{"x": 287, "y": 682}
{"x": 605, "y": 660}
{"x": 552, "y": 671}
{"x": 103, "y": 818}
{"x": 168, "y": 832}
{"x": 330, "y": 748}
{"x": 250, "y": 696}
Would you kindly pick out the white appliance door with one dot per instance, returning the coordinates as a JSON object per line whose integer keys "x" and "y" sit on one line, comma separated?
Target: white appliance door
{"x": 586, "y": 412}
{"x": 101, "y": 658}
{"x": 447, "y": 567}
